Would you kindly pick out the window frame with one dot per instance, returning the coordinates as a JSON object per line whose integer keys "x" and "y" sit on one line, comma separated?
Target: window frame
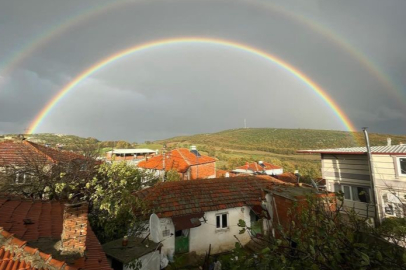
{"x": 350, "y": 187}
{"x": 220, "y": 216}
{"x": 399, "y": 168}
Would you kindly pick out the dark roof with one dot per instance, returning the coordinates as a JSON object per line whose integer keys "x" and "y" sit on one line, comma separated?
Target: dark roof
{"x": 180, "y": 159}
{"x": 179, "y": 198}
{"x": 379, "y": 150}
{"x": 20, "y": 153}
{"x": 40, "y": 224}
{"x": 134, "y": 249}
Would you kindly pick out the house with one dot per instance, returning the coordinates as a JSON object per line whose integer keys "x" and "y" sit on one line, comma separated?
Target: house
{"x": 259, "y": 167}
{"x": 190, "y": 164}
{"x": 347, "y": 170}
{"x": 131, "y": 250}
{"x": 22, "y": 159}
{"x": 47, "y": 235}
{"x": 197, "y": 214}
{"x": 131, "y": 156}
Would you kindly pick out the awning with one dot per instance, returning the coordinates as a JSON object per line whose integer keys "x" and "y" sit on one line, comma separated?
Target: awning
{"x": 187, "y": 222}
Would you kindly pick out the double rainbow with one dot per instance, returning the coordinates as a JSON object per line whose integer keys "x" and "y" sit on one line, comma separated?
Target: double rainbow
{"x": 194, "y": 40}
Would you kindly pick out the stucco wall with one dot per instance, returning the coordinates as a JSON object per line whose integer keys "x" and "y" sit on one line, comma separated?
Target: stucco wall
{"x": 150, "y": 261}
{"x": 220, "y": 239}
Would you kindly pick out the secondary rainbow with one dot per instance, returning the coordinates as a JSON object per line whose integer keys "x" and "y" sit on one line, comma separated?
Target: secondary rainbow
{"x": 196, "y": 40}
{"x": 15, "y": 59}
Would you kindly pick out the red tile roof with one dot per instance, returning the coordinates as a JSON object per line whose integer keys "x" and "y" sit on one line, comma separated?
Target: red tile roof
{"x": 21, "y": 153}
{"x": 255, "y": 167}
{"x": 287, "y": 177}
{"x": 191, "y": 197}
{"x": 16, "y": 254}
{"x": 37, "y": 220}
{"x": 179, "y": 159}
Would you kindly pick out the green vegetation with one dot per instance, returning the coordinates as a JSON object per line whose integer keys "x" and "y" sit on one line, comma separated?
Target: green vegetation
{"x": 236, "y": 146}
{"x": 278, "y": 146}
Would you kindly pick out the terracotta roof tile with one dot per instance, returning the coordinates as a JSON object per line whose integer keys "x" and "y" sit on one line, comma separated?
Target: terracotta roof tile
{"x": 45, "y": 221}
{"x": 255, "y": 167}
{"x": 180, "y": 159}
{"x": 25, "y": 152}
{"x": 188, "y": 197}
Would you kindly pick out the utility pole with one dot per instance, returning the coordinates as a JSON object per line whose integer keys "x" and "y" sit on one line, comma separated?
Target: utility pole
{"x": 163, "y": 164}
{"x": 372, "y": 177}
{"x": 245, "y": 123}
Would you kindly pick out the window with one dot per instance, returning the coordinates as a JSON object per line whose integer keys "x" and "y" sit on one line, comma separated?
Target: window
{"x": 402, "y": 166}
{"x": 221, "y": 221}
{"x": 358, "y": 194}
{"x": 22, "y": 178}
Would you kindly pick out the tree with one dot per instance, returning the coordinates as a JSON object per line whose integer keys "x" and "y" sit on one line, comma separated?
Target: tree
{"x": 320, "y": 238}
{"x": 172, "y": 175}
{"x": 110, "y": 194}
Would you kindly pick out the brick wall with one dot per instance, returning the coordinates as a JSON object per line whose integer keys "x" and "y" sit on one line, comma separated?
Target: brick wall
{"x": 207, "y": 170}
{"x": 74, "y": 231}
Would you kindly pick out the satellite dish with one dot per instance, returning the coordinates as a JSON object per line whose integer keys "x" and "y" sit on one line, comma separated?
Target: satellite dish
{"x": 155, "y": 228}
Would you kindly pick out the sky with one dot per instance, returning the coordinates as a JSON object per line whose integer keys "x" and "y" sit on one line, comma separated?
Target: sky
{"x": 353, "y": 49}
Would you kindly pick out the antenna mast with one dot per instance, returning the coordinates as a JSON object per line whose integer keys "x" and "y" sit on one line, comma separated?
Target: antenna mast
{"x": 245, "y": 123}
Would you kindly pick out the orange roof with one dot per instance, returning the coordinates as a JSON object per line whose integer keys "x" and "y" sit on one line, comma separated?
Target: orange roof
{"x": 179, "y": 198}
{"x": 34, "y": 221}
{"x": 16, "y": 254}
{"x": 25, "y": 152}
{"x": 287, "y": 177}
{"x": 179, "y": 159}
{"x": 255, "y": 167}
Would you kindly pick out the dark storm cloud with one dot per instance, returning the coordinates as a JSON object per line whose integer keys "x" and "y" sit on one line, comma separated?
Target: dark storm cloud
{"x": 191, "y": 89}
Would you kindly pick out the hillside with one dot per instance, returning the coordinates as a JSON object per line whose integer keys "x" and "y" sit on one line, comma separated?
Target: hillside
{"x": 282, "y": 141}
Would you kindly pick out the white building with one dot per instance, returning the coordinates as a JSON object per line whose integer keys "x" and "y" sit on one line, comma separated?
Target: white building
{"x": 259, "y": 167}
{"x": 196, "y": 215}
{"x": 347, "y": 169}
{"x": 131, "y": 156}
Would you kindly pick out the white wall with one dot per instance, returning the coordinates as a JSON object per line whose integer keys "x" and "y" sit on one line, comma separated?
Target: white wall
{"x": 221, "y": 240}
{"x": 274, "y": 172}
{"x": 150, "y": 261}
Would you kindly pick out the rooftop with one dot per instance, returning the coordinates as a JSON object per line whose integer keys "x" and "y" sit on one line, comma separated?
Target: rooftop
{"x": 180, "y": 159}
{"x": 378, "y": 150}
{"x": 25, "y": 152}
{"x": 136, "y": 248}
{"x": 40, "y": 224}
{"x": 257, "y": 167}
{"x": 131, "y": 151}
{"x": 171, "y": 199}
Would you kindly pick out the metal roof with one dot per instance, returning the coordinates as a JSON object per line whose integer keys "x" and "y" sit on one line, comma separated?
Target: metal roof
{"x": 392, "y": 149}
{"x": 131, "y": 151}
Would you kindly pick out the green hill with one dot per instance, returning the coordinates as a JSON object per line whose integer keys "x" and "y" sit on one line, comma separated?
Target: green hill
{"x": 236, "y": 146}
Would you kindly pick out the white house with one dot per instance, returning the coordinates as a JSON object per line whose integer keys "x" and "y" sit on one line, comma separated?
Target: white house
{"x": 196, "y": 215}
{"x": 347, "y": 169}
{"x": 131, "y": 156}
{"x": 259, "y": 167}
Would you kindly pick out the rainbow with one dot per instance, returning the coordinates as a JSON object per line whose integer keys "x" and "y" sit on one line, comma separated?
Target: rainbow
{"x": 91, "y": 70}
{"x": 11, "y": 63}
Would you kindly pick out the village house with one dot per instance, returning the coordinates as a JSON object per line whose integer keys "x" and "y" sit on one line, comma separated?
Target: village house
{"x": 197, "y": 214}
{"x": 259, "y": 167}
{"x": 21, "y": 160}
{"x": 347, "y": 170}
{"x": 48, "y": 235}
{"x": 190, "y": 164}
{"x": 131, "y": 156}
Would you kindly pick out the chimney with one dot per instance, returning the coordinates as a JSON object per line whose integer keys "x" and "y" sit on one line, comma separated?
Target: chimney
{"x": 389, "y": 141}
{"x": 193, "y": 147}
{"x": 74, "y": 229}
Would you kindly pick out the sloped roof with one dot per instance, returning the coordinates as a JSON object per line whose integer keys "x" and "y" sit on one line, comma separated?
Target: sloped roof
{"x": 20, "y": 153}
{"x": 379, "y": 150}
{"x": 287, "y": 177}
{"x": 179, "y": 159}
{"x": 179, "y": 198}
{"x": 39, "y": 222}
{"x": 255, "y": 167}
{"x": 16, "y": 254}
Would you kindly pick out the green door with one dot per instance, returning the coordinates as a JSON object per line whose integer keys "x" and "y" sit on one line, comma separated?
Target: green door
{"x": 181, "y": 244}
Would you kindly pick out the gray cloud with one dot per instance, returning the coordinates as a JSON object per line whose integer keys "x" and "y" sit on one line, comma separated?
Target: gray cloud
{"x": 186, "y": 89}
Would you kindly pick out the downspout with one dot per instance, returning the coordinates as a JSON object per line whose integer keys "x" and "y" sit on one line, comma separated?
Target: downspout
{"x": 371, "y": 172}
